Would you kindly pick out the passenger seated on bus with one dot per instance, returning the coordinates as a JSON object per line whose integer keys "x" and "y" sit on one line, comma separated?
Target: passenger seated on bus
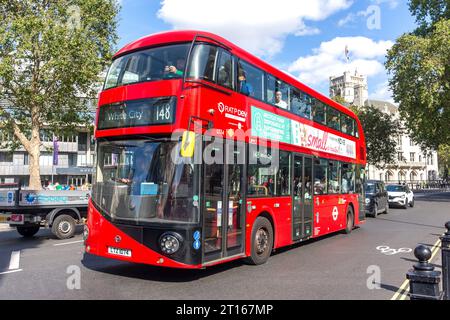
{"x": 244, "y": 87}
{"x": 279, "y": 102}
{"x": 175, "y": 71}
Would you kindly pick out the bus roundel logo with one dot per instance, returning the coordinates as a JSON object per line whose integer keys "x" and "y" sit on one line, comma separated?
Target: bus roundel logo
{"x": 335, "y": 213}
{"x": 117, "y": 239}
{"x": 221, "y": 107}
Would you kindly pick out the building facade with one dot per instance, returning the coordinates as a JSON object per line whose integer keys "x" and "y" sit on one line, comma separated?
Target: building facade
{"x": 352, "y": 87}
{"x": 412, "y": 165}
{"x": 74, "y": 166}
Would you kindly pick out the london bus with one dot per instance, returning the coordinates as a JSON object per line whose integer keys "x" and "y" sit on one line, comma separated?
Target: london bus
{"x": 288, "y": 162}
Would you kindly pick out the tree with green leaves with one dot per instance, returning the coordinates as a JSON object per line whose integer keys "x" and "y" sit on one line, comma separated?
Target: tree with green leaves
{"x": 51, "y": 55}
{"x": 381, "y": 131}
{"x": 444, "y": 161}
{"x": 419, "y": 69}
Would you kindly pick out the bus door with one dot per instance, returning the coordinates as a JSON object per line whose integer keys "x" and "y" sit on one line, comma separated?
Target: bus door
{"x": 302, "y": 198}
{"x": 223, "y": 200}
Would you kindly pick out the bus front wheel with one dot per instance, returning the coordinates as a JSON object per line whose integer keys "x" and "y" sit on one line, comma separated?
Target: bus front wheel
{"x": 262, "y": 241}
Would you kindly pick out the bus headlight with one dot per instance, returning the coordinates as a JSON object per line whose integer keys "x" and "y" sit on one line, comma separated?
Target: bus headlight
{"x": 170, "y": 242}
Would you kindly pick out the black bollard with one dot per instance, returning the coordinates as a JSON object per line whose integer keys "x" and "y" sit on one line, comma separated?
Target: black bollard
{"x": 423, "y": 280}
{"x": 445, "y": 249}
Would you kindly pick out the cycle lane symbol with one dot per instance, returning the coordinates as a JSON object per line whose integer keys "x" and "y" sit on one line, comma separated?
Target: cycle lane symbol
{"x": 391, "y": 251}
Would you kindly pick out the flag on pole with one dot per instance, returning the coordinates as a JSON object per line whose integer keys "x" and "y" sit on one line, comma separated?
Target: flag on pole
{"x": 347, "y": 54}
{"x": 55, "y": 151}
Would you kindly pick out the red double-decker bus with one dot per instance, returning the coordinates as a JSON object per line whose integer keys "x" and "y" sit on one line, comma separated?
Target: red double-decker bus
{"x": 207, "y": 154}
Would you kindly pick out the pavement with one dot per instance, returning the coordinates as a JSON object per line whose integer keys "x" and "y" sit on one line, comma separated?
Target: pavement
{"x": 368, "y": 264}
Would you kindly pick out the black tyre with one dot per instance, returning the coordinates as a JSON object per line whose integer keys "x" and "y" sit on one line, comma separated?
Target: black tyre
{"x": 411, "y": 204}
{"x": 63, "y": 226}
{"x": 386, "y": 210}
{"x": 262, "y": 241}
{"x": 350, "y": 221}
{"x": 375, "y": 210}
{"x": 27, "y": 231}
{"x": 406, "y": 204}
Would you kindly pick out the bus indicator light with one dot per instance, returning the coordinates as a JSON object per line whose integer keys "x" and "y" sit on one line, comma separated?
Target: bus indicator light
{"x": 188, "y": 144}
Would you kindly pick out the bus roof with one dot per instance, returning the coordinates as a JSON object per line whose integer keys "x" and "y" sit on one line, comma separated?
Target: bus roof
{"x": 177, "y": 36}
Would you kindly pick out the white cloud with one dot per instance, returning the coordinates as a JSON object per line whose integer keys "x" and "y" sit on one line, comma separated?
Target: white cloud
{"x": 366, "y": 56}
{"x": 392, "y": 3}
{"x": 382, "y": 92}
{"x": 260, "y": 26}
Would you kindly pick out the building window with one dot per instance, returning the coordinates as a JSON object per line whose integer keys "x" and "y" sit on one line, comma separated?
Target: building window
{"x": 400, "y": 156}
{"x": 26, "y": 159}
{"x": 412, "y": 157}
{"x": 6, "y": 157}
{"x": 82, "y": 141}
{"x": 72, "y": 157}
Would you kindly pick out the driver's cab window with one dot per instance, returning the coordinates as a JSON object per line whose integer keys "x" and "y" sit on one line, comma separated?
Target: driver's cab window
{"x": 203, "y": 61}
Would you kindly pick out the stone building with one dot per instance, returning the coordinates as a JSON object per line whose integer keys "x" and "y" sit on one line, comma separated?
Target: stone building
{"x": 413, "y": 165}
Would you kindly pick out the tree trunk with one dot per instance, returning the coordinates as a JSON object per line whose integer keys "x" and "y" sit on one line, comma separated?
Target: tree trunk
{"x": 34, "y": 168}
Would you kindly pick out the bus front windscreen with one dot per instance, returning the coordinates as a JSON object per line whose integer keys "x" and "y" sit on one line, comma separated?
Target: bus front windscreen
{"x": 145, "y": 181}
{"x": 161, "y": 63}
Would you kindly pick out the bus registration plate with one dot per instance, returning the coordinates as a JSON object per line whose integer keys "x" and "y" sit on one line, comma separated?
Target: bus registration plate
{"x": 119, "y": 252}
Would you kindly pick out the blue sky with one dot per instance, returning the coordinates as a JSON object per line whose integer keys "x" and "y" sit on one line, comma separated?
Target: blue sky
{"x": 306, "y": 38}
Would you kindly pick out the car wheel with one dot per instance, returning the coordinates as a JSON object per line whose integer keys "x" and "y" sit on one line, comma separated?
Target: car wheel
{"x": 386, "y": 210}
{"x": 411, "y": 204}
{"x": 375, "y": 210}
{"x": 406, "y": 204}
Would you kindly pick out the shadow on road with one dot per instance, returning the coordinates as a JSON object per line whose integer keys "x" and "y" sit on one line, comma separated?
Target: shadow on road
{"x": 413, "y": 223}
{"x": 435, "y": 197}
{"x": 152, "y": 273}
{"x": 415, "y": 261}
{"x": 162, "y": 274}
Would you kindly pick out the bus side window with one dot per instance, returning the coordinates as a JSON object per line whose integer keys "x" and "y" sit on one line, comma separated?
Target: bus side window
{"x": 333, "y": 178}
{"x": 225, "y": 70}
{"x": 250, "y": 80}
{"x": 348, "y": 178}
{"x": 333, "y": 119}
{"x": 321, "y": 177}
{"x": 203, "y": 62}
{"x": 319, "y": 112}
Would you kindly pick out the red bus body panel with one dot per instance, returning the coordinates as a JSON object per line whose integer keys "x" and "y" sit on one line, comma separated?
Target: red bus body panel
{"x": 197, "y": 99}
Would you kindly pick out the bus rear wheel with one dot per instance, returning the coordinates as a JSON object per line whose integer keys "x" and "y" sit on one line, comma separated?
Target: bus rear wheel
{"x": 27, "y": 231}
{"x": 262, "y": 241}
{"x": 350, "y": 221}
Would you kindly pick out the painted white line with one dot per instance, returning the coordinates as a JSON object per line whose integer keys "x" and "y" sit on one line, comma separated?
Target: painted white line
{"x": 11, "y": 271}
{"x": 66, "y": 243}
{"x": 14, "y": 263}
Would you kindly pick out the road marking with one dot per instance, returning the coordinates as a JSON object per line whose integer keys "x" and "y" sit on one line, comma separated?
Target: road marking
{"x": 14, "y": 263}
{"x": 403, "y": 291}
{"x": 11, "y": 271}
{"x": 66, "y": 243}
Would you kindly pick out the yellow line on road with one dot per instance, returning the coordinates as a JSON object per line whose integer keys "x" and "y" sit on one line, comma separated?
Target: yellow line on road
{"x": 403, "y": 291}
